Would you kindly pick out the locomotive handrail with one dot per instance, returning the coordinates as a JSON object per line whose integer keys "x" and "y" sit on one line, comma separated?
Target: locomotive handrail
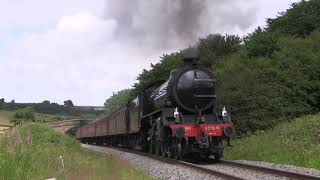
{"x": 209, "y": 80}
{"x": 155, "y": 112}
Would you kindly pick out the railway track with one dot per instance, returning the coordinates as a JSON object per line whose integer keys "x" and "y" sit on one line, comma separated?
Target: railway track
{"x": 282, "y": 173}
{"x": 204, "y": 169}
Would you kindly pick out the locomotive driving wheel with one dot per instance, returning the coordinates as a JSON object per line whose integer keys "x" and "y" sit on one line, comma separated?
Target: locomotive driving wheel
{"x": 164, "y": 149}
{"x": 158, "y": 147}
{"x": 178, "y": 151}
{"x": 217, "y": 157}
{"x": 151, "y": 145}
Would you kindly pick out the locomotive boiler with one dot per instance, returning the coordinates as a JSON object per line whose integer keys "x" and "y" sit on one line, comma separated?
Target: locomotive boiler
{"x": 176, "y": 119}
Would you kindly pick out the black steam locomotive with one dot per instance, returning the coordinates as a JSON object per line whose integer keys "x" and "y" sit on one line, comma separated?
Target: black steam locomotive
{"x": 175, "y": 119}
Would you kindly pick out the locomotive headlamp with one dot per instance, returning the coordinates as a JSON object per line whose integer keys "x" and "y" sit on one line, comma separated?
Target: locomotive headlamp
{"x": 224, "y": 112}
{"x": 176, "y": 114}
{"x": 203, "y": 119}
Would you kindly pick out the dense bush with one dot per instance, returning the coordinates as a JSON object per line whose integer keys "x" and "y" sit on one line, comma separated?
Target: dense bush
{"x": 262, "y": 90}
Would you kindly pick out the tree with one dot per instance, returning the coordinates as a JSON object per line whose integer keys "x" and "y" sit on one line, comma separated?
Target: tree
{"x": 12, "y": 101}
{"x": 68, "y": 103}
{"x": 215, "y": 46}
{"x": 117, "y": 100}
{"x": 261, "y": 43}
{"x": 158, "y": 73}
{"x": 46, "y": 102}
{"x": 300, "y": 20}
{"x": 2, "y": 101}
{"x": 23, "y": 115}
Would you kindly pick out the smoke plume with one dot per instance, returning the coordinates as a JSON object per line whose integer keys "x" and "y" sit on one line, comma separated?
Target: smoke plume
{"x": 178, "y": 23}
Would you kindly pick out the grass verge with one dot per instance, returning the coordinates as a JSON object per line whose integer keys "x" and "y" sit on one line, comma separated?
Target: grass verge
{"x": 34, "y": 152}
{"x": 296, "y": 142}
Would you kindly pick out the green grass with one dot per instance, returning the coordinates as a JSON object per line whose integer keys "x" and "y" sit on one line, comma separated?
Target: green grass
{"x": 5, "y": 117}
{"x": 296, "y": 142}
{"x": 51, "y": 118}
{"x": 40, "y": 158}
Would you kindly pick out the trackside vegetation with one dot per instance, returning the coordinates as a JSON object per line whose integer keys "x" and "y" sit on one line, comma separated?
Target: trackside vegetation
{"x": 34, "y": 151}
{"x": 295, "y": 142}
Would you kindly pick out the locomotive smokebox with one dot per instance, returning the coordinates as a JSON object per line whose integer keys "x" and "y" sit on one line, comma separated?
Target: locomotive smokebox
{"x": 192, "y": 88}
{"x": 195, "y": 89}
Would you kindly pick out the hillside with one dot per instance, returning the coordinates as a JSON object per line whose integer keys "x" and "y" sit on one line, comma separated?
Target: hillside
{"x": 36, "y": 152}
{"x": 296, "y": 142}
{"x": 39, "y": 117}
{"x": 55, "y": 109}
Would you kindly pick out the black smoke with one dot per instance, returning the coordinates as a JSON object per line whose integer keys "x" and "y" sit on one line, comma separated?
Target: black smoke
{"x": 178, "y": 23}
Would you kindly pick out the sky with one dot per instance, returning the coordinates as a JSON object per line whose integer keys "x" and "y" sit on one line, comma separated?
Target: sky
{"x": 85, "y": 50}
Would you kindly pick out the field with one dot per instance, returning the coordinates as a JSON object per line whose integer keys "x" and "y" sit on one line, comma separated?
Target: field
{"x": 4, "y": 120}
{"x": 296, "y": 142}
{"x": 36, "y": 152}
{"x": 5, "y": 117}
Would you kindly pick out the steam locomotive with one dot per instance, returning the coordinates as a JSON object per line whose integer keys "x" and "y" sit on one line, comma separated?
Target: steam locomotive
{"x": 176, "y": 119}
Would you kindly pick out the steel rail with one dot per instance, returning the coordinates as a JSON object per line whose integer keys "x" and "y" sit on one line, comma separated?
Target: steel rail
{"x": 176, "y": 162}
{"x": 288, "y": 174}
{"x": 202, "y": 168}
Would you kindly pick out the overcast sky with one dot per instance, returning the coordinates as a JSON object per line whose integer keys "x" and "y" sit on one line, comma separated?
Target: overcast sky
{"x": 84, "y": 50}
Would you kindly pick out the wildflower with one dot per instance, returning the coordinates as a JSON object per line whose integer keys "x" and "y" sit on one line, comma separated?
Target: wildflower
{"x": 10, "y": 149}
{"x": 28, "y": 138}
{"x": 19, "y": 140}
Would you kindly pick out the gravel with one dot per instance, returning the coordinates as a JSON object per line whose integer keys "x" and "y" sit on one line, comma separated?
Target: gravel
{"x": 164, "y": 170}
{"x": 290, "y": 168}
{"x": 153, "y": 167}
{"x": 242, "y": 172}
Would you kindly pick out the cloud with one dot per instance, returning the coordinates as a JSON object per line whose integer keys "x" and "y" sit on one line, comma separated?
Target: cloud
{"x": 77, "y": 59}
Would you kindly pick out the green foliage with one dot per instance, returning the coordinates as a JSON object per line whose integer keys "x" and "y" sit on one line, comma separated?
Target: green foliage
{"x": 158, "y": 73}
{"x": 54, "y": 109}
{"x": 261, "y": 43}
{"x": 296, "y": 142}
{"x": 33, "y": 151}
{"x": 117, "y": 100}
{"x": 2, "y": 101}
{"x": 23, "y": 115}
{"x": 216, "y": 46}
{"x": 263, "y": 90}
{"x": 68, "y": 103}
{"x": 46, "y": 102}
{"x": 298, "y": 21}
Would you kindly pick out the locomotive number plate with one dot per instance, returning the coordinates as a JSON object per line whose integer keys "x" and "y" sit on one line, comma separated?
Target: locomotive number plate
{"x": 212, "y": 128}
{"x": 187, "y": 128}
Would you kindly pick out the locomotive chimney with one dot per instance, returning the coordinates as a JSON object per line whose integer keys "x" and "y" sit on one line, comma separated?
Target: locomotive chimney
{"x": 190, "y": 56}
